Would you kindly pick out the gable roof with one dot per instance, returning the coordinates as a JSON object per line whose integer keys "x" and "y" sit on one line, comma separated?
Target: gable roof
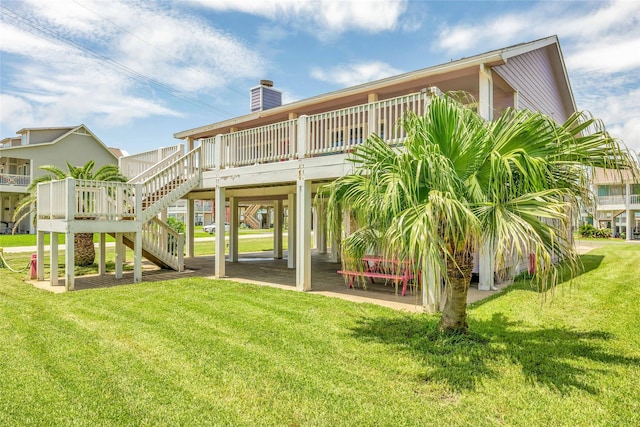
{"x": 492, "y": 58}
{"x": 70, "y": 131}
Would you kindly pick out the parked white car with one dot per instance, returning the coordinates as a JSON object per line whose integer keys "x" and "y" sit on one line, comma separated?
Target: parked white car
{"x": 211, "y": 228}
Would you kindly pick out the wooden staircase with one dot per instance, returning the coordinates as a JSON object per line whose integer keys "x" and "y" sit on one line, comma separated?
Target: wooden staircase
{"x": 250, "y": 218}
{"x": 157, "y": 190}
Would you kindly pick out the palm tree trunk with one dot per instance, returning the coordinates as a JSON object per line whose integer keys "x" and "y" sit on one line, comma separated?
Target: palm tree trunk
{"x": 85, "y": 251}
{"x": 454, "y": 314}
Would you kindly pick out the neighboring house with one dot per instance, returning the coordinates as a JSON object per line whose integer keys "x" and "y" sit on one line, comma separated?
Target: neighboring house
{"x": 279, "y": 155}
{"x": 617, "y": 204}
{"x": 21, "y": 157}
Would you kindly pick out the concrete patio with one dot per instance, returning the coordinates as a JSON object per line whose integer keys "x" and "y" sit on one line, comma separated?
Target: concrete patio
{"x": 262, "y": 269}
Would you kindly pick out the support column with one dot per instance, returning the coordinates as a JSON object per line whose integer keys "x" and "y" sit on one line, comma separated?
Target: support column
{"x": 630, "y": 218}
{"x": 277, "y": 229}
{"x": 485, "y": 93}
{"x": 291, "y": 231}
{"x": 190, "y": 225}
{"x": 303, "y": 249}
{"x": 431, "y": 290}
{"x": 320, "y": 232}
{"x": 137, "y": 258}
{"x": 69, "y": 258}
{"x": 40, "y": 253}
{"x": 486, "y": 267}
{"x": 53, "y": 259}
{"x": 335, "y": 246}
{"x": 233, "y": 229}
{"x": 119, "y": 255}
{"x": 485, "y": 109}
{"x": 220, "y": 219}
{"x": 314, "y": 215}
{"x": 103, "y": 256}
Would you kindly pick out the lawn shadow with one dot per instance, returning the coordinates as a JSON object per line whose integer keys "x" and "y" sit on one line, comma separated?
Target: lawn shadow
{"x": 553, "y": 357}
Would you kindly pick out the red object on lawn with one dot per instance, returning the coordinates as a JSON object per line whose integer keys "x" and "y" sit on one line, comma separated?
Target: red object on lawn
{"x": 34, "y": 266}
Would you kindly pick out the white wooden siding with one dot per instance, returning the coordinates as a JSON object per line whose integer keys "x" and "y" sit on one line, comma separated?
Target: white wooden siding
{"x": 531, "y": 74}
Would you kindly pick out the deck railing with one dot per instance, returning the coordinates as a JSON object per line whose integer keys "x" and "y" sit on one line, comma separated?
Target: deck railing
{"x": 164, "y": 242}
{"x": 633, "y": 199}
{"x": 265, "y": 144}
{"x": 134, "y": 165}
{"x": 339, "y": 131}
{"x": 12, "y": 179}
{"x": 167, "y": 185}
{"x": 331, "y": 132}
{"x": 82, "y": 199}
{"x": 208, "y": 153}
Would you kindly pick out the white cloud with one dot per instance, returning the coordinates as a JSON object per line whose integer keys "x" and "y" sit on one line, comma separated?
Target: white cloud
{"x": 353, "y": 74}
{"x": 591, "y": 22}
{"x": 94, "y": 59}
{"x": 617, "y": 106}
{"x": 600, "y": 40}
{"x": 608, "y": 55}
{"x": 323, "y": 17}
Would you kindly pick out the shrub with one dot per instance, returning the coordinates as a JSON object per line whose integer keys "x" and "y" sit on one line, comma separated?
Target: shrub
{"x": 588, "y": 230}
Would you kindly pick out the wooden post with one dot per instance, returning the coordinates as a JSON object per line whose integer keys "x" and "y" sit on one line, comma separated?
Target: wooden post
{"x": 277, "y": 229}
{"x": 485, "y": 109}
{"x": 40, "y": 254}
{"x": 102, "y": 260}
{"x": 53, "y": 259}
{"x": 233, "y": 229}
{"x": 119, "y": 255}
{"x": 220, "y": 241}
{"x": 291, "y": 236}
{"x": 69, "y": 262}
{"x": 190, "y": 228}
{"x": 303, "y": 249}
{"x": 137, "y": 257}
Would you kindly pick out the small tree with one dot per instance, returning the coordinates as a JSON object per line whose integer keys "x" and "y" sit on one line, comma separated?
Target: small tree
{"x": 84, "y": 249}
{"x": 459, "y": 182}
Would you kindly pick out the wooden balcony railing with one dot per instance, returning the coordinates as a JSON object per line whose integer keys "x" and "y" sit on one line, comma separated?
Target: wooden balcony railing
{"x": 141, "y": 164}
{"x": 331, "y": 132}
{"x": 81, "y": 199}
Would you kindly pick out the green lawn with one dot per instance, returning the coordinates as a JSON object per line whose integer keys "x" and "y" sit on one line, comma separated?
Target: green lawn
{"x": 13, "y": 240}
{"x": 206, "y": 352}
{"x": 202, "y": 248}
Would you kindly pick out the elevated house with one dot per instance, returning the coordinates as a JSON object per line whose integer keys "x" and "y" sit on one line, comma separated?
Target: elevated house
{"x": 617, "y": 204}
{"x": 21, "y": 157}
{"x": 280, "y": 156}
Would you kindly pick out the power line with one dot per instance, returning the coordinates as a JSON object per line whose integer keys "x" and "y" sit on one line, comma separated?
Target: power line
{"x": 30, "y": 25}
{"x": 185, "y": 64}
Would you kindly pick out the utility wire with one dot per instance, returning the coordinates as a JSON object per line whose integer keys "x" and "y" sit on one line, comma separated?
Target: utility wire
{"x": 30, "y": 25}
{"x": 185, "y": 64}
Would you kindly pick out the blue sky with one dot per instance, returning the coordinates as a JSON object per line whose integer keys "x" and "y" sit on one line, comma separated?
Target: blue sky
{"x": 136, "y": 72}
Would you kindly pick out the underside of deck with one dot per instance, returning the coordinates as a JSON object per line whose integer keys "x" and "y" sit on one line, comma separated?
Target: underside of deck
{"x": 262, "y": 269}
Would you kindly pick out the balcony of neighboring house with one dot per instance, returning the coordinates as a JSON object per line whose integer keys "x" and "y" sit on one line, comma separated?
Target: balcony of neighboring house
{"x": 618, "y": 204}
{"x": 14, "y": 175}
{"x": 13, "y": 180}
{"x": 612, "y": 197}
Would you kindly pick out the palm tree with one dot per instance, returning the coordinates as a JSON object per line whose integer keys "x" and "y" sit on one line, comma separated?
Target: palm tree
{"x": 84, "y": 249}
{"x": 459, "y": 183}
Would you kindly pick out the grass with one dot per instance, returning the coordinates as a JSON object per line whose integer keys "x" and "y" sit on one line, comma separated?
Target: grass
{"x": 206, "y": 352}
{"x": 13, "y": 240}
{"x": 201, "y": 248}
